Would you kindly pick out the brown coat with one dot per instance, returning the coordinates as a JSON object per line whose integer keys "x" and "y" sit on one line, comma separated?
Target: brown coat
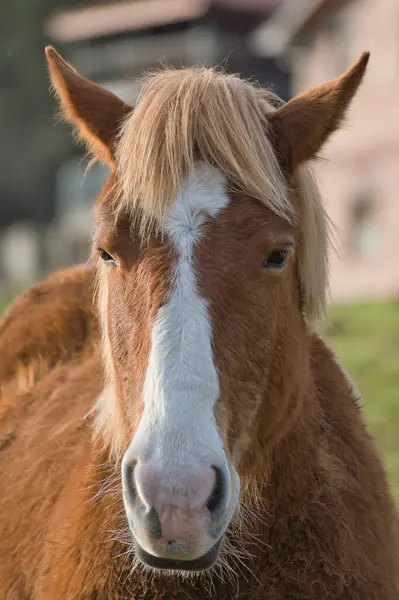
{"x": 325, "y": 527}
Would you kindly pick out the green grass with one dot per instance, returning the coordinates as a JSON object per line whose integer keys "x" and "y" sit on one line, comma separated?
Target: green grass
{"x": 3, "y": 306}
{"x": 365, "y": 338}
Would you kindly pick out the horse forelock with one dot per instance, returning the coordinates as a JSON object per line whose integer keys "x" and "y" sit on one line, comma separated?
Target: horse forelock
{"x": 190, "y": 115}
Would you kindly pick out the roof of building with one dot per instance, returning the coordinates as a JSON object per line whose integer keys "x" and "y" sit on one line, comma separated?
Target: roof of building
{"x": 116, "y": 17}
{"x": 99, "y": 20}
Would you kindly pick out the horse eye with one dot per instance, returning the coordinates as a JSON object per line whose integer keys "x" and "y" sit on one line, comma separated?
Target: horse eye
{"x": 275, "y": 259}
{"x": 107, "y": 258}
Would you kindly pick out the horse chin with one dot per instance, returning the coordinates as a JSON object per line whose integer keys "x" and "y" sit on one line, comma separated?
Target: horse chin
{"x": 202, "y": 563}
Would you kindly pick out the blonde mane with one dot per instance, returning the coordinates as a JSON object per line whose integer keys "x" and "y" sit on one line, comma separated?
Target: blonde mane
{"x": 183, "y": 116}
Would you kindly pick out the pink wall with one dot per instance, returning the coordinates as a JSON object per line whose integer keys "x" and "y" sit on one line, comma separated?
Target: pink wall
{"x": 364, "y": 157}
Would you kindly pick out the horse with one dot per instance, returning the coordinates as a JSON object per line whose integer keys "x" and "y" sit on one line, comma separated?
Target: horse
{"x": 172, "y": 426}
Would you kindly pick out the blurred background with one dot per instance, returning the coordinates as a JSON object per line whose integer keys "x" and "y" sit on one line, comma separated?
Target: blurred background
{"x": 46, "y": 194}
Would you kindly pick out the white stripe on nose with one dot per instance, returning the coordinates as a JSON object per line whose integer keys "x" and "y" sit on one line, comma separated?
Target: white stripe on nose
{"x": 177, "y": 439}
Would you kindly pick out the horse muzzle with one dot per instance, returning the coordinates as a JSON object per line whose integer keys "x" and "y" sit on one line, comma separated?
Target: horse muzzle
{"x": 178, "y": 522}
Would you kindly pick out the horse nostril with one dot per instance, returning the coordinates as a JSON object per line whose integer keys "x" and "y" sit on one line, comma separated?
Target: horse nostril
{"x": 153, "y": 524}
{"x": 129, "y": 482}
{"x": 217, "y": 497}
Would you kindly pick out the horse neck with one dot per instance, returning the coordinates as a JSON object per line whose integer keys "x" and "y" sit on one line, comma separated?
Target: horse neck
{"x": 288, "y": 391}
{"x": 300, "y": 401}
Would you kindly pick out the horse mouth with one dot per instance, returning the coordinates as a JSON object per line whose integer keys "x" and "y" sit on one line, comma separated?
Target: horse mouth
{"x": 202, "y": 563}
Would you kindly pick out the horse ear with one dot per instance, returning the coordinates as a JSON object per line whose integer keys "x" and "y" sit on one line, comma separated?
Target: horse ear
{"x": 302, "y": 126}
{"x": 95, "y": 113}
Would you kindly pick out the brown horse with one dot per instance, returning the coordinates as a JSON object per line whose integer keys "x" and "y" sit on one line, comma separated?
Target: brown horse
{"x": 189, "y": 435}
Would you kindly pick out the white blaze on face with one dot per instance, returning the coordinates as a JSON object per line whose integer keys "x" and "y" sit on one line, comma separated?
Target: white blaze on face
{"x": 177, "y": 431}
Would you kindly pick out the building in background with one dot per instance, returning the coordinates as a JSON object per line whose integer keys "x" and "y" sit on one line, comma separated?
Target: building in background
{"x": 320, "y": 39}
{"x": 289, "y": 44}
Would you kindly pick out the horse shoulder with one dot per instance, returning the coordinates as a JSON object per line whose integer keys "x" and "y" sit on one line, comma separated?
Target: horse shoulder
{"x": 48, "y": 324}
{"x": 51, "y": 375}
